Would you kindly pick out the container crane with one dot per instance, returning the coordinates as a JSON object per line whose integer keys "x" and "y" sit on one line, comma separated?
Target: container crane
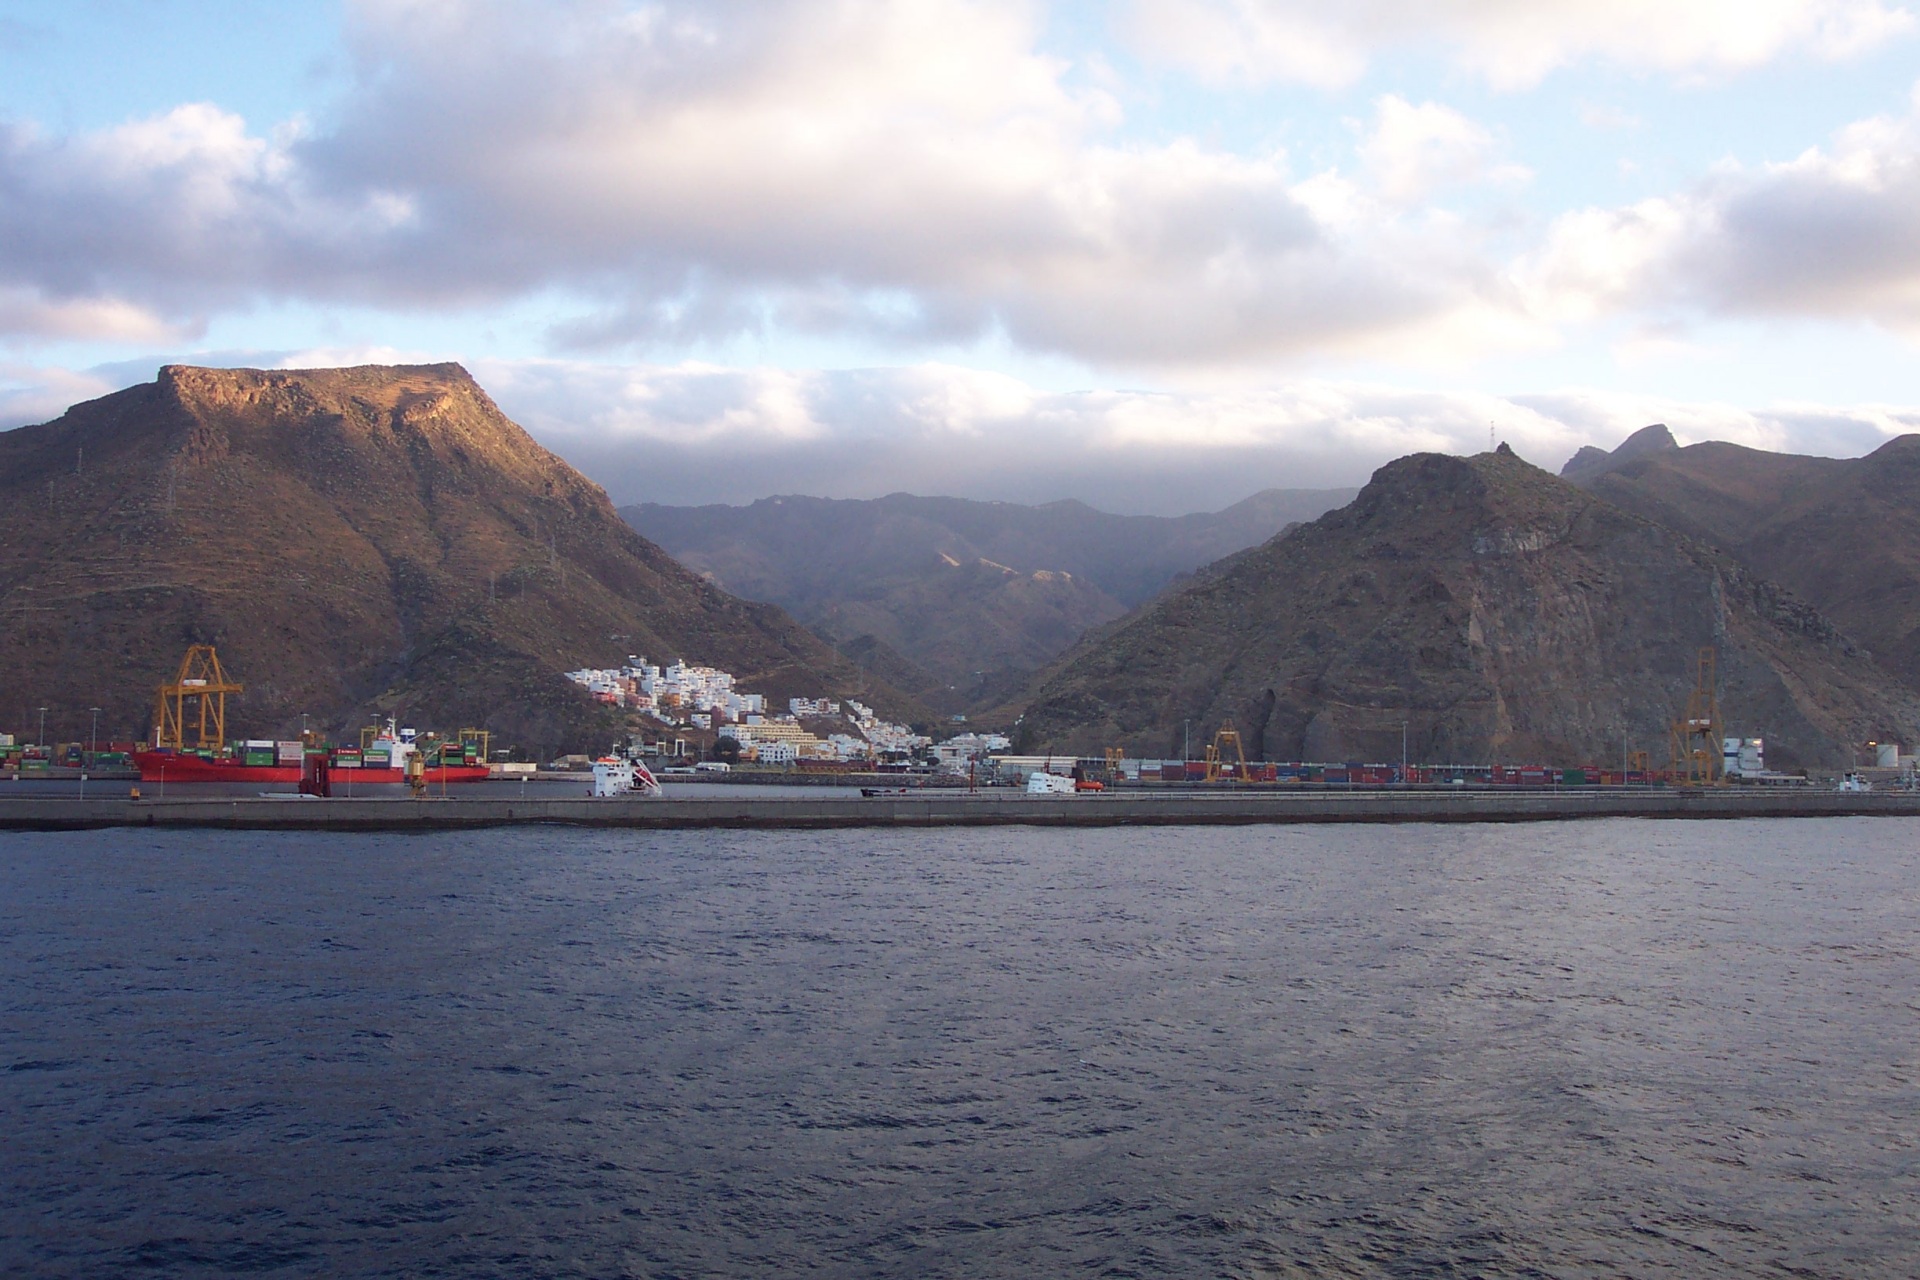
{"x": 205, "y": 684}
{"x": 1696, "y": 736}
{"x": 1224, "y": 739}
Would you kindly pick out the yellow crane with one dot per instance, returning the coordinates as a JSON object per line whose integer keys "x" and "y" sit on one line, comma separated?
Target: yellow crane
{"x": 203, "y": 683}
{"x": 1225, "y": 738}
{"x": 1696, "y": 735}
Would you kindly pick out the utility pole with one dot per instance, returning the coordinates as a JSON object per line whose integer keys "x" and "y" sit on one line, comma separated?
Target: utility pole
{"x": 93, "y": 734}
{"x": 1403, "y": 753}
{"x": 1185, "y": 757}
{"x": 43, "y": 728}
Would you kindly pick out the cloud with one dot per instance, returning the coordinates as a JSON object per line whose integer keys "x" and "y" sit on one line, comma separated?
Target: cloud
{"x": 1833, "y": 233}
{"x": 907, "y": 172}
{"x": 1512, "y": 44}
{"x": 689, "y": 434}
{"x": 26, "y": 312}
{"x": 40, "y": 393}
{"x": 921, "y": 176}
{"x": 1413, "y": 150}
{"x": 683, "y": 173}
{"x": 693, "y": 434}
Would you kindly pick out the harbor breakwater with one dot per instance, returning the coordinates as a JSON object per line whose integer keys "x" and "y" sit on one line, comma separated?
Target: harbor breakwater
{"x": 933, "y": 809}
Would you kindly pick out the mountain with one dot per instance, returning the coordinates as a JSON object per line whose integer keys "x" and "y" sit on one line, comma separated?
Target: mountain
{"x": 375, "y": 539}
{"x": 1591, "y": 463}
{"x": 1841, "y": 533}
{"x": 975, "y": 595}
{"x": 1494, "y": 610}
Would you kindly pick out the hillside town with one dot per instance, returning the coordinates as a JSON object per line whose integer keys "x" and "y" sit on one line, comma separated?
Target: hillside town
{"x": 682, "y": 696}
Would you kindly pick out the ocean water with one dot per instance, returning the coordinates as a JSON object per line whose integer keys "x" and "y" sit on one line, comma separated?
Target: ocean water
{"x": 1611, "y": 1048}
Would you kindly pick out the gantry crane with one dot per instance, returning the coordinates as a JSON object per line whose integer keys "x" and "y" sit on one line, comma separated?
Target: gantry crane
{"x": 1697, "y": 734}
{"x": 205, "y": 684}
{"x": 1224, "y": 738}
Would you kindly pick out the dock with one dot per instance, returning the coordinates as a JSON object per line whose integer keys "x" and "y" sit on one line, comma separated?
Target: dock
{"x": 938, "y": 808}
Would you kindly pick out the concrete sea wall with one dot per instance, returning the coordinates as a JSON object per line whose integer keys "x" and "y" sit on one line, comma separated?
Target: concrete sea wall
{"x": 935, "y": 809}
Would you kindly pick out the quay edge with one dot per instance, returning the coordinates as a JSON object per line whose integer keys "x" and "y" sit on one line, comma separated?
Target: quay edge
{"x": 932, "y": 809}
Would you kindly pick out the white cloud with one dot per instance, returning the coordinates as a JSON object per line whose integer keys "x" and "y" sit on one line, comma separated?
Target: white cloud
{"x": 1412, "y": 150}
{"x": 690, "y": 434}
{"x": 27, "y": 312}
{"x": 914, "y": 173}
{"x": 923, "y": 176}
{"x": 40, "y": 393}
{"x": 1511, "y": 43}
{"x": 1833, "y": 233}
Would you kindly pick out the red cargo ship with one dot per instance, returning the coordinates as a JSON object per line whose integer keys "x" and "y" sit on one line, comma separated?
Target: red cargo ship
{"x": 196, "y": 701}
{"x": 162, "y": 765}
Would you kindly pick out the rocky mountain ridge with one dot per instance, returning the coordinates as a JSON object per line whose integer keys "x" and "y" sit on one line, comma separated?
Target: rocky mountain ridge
{"x": 1841, "y": 533}
{"x": 363, "y": 540}
{"x": 1487, "y": 610}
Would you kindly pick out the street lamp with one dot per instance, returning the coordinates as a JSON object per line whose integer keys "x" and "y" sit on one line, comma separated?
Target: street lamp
{"x": 43, "y": 728}
{"x": 93, "y": 734}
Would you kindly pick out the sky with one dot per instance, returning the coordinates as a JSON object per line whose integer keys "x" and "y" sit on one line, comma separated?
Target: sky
{"x": 1155, "y": 255}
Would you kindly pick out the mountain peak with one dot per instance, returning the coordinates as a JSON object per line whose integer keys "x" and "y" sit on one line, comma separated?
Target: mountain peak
{"x": 1901, "y": 448}
{"x": 359, "y": 539}
{"x": 1645, "y": 442}
{"x": 1485, "y": 608}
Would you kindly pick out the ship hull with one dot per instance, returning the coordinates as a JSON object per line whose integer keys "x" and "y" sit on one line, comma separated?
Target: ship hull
{"x": 165, "y": 766}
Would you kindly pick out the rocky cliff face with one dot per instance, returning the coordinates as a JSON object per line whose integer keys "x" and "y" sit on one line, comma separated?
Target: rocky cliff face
{"x": 1843, "y": 534}
{"x": 1497, "y": 612}
{"x": 354, "y": 540}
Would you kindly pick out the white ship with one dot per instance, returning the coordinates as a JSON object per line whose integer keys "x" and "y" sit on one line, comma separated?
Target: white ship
{"x": 617, "y": 776}
{"x": 1048, "y": 784}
